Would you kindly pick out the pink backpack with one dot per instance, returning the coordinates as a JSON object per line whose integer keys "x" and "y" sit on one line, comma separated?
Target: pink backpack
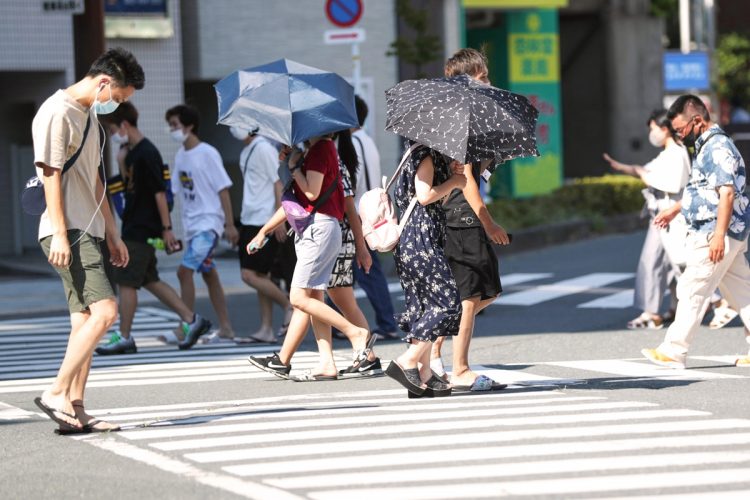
{"x": 380, "y": 226}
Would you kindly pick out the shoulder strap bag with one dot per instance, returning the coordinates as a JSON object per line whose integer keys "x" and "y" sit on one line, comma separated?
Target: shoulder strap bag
{"x": 33, "y": 201}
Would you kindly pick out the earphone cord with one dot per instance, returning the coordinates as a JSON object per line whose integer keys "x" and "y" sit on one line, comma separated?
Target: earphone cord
{"x": 104, "y": 182}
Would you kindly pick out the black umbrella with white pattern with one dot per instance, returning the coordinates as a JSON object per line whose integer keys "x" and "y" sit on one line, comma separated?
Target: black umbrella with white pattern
{"x": 463, "y": 119}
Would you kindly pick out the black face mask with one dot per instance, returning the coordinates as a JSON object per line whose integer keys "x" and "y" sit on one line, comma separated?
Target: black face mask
{"x": 688, "y": 140}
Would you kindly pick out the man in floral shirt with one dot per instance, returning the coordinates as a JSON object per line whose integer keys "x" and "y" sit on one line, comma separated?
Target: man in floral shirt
{"x": 716, "y": 209}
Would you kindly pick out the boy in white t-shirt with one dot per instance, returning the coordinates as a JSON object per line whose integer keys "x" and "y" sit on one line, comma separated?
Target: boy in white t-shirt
{"x": 261, "y": 197}
{"x": 202, "y": 185}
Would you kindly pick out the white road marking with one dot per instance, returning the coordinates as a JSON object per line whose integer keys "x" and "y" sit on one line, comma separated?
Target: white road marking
{"x": 242, "y": 488}
{"x": 667, "y": 427}
{"x": 512, "y": 469}
{"x": 566, "y": 486}
{"x": 559, "y": 289}
{"x": 457, "y": 455}
{"x": 619, "y": 300}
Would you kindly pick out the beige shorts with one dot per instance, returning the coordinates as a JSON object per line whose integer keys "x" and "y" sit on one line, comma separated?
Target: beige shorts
{"x": 85, "y": 281}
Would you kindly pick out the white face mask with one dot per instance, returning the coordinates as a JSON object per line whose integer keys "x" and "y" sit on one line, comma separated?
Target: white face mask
{"x": 657, "y": 137}
{"x": 119, "y": 139}
{"x": 238, "y": 133}
{"x": 178, "y": 135}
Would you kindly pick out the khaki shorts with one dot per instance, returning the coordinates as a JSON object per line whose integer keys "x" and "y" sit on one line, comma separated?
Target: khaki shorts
{"x": 141, "y": 269}
{"x": 85, "y": 281}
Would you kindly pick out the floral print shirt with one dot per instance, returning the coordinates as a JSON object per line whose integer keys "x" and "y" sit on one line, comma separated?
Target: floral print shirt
{"x": 717, "y": 163}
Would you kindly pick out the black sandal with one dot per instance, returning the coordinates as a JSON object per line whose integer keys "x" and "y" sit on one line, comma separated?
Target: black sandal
{"x": 408, "y": 377}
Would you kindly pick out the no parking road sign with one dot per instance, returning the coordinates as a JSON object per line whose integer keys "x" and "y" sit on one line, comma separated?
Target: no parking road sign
{"x": 344, "y": 13}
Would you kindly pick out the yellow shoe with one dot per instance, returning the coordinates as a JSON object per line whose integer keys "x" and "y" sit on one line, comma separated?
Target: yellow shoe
{"x": 661, "y": 359}
{"x": 743, "y": 361}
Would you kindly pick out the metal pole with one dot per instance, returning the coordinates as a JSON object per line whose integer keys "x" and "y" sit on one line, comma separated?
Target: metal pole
{"x": 357, "y": 70}
{"x": 685, "y": 26}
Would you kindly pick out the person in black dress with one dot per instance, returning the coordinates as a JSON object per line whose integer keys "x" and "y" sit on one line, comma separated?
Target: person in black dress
{"x": 433, "y": 307}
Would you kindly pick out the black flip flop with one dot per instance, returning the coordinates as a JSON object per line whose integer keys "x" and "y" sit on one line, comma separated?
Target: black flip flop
{"x": 67, "y": 431}
{"x": 50, "y": 412}
{"x": 399, "y": 375}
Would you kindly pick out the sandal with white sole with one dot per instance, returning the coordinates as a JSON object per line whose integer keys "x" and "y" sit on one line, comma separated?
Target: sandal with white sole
{"x": 646, "y": 322}
{"x": 723, "y": 314}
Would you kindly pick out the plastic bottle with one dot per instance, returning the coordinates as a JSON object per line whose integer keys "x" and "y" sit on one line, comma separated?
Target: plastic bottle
{"x": 158, "y": 243}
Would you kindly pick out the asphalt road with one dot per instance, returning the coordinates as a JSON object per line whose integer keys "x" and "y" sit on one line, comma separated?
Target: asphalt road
{"x": 584, "y": 416}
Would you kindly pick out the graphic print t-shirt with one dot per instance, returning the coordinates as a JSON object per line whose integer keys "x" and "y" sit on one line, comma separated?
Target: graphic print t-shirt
{"x": 197, "y": 179}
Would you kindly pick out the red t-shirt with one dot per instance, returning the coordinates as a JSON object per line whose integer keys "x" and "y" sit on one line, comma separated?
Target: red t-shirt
{"x": 323, "y": 157}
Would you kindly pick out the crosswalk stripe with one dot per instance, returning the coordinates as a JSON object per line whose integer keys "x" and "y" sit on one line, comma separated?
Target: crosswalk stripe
{"x": 559, "y": 289}
{"x": 511, "y": 470}
{"x": 290, "y": 399}
{"x": 338, "y": 415}
{"x": 240, "y": 487}
{"x": 619, "y": 300}
{"x": 9, "y": 412}
{"x": 569, "y": 486}
{"x": 710, "y": 495}
{"x": 456, "y": 455}
{"x": 395, "y": 401}
{"x": 363, "y": 445}
{"x": 183, "y": 431}
{"x": 641, "y": 369}
{"x": 665, "y": 427}
{"x": 115, "y": 364}
{"x": 171, "y": 353}
{"x": 518, "y": 278}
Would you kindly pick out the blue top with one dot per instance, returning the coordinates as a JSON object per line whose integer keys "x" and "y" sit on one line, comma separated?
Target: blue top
{"x": 717, "y": 163}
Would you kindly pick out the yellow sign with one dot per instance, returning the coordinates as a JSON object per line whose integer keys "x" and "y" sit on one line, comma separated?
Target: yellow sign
{"x": 534, "y": 58}
{"x": 514, "y": 4}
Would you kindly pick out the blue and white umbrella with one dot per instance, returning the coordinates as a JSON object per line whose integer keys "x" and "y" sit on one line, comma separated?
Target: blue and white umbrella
{"x": 287, "y": 101}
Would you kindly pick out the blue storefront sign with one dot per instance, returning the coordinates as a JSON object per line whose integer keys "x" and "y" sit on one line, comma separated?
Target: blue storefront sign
{"x": 686, "y": 71}
{"x": 135, "y": 7}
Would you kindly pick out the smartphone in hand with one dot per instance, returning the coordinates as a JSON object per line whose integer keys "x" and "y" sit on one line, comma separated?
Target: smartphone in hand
{"x": 254, "y": 247}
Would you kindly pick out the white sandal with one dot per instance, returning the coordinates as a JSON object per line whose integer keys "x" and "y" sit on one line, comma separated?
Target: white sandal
{"x": 723, "y": 314}
{"x": 646, "y": 322}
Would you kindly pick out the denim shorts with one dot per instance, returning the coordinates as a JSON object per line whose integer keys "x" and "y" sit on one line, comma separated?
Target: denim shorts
{"x": 199, "y": 254}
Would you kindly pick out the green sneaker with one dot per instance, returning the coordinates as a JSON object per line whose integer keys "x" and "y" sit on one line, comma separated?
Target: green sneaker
{"x": 117, "y": 345}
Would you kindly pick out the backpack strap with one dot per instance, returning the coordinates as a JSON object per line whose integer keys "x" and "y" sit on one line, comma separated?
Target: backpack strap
{"x": 401, "y": 165}
{"x": 364, "y": 161}
{"x": 719, "y": 132}
{"x": 406, "y": 215}
{"x": 247, "y": 159}
{"x": 75, "y": 156}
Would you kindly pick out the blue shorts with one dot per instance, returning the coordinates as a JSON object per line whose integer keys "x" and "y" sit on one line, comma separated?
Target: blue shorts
{"x": 199, "y": 254}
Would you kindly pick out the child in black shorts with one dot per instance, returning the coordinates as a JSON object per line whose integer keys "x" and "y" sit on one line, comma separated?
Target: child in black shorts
{"x": 470, "y": 232}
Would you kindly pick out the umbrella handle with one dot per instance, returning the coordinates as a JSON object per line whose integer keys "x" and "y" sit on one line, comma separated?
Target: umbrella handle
{"x": 407, "y": 154}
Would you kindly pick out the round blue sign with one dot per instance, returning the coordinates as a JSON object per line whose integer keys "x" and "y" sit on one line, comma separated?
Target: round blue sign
{"x": 344, "y": 13}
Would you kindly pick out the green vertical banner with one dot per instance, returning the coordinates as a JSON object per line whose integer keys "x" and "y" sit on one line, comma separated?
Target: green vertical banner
{"x": 534, "y": 71}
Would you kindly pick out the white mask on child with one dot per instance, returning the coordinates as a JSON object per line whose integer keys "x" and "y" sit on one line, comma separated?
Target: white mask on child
{"x": 178, "y": 135}
{"x": 238, "y": 133}
{"x": 657, "y": 137}
{"x": 119, "y": 139}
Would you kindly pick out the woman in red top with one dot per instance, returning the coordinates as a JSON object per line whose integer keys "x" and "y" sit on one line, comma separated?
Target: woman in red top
{"x": 317, "y": 248}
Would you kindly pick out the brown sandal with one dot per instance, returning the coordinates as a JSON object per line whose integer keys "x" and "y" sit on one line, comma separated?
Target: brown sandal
{"x": 96, "y": 425}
